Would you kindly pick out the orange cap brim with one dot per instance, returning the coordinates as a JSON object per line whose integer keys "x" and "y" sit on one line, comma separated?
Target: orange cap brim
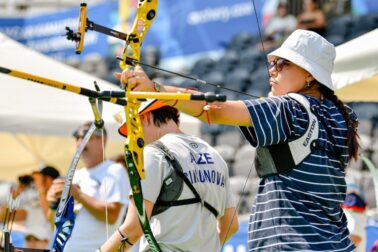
{"x": 155, "y": 104}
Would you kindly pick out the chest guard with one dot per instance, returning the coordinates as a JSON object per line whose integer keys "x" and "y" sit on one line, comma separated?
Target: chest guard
{"x": 284, "y": 157}
{"x": 173, "y": 185}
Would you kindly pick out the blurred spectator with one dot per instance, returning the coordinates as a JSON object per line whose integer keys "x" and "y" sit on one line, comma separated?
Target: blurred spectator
{"x": 312, "y": 18}
{"x": 279, "y": 26}
{"x": 354, "y": 208}
{"x": 43, "y": 179}
{"x": 100, "y": 190}
{"x": 33, "y": 201}
{"x": 120, "y": 158}
{"x": 31, "y": 222}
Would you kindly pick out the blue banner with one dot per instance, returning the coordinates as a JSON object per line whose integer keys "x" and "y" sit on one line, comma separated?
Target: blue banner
{"x": 187, "y": 27}
{"x": 371, "y": 234}
{"x": 363, "y": 7}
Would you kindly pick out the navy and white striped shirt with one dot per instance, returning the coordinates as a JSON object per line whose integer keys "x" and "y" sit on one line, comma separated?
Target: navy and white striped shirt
{"x": 300, "y": 210}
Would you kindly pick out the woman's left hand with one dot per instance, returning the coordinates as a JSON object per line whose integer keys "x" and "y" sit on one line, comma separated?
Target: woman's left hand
{"x": 136, "y": 78}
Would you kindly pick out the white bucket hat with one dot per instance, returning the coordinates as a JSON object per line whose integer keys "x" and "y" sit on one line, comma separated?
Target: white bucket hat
{"x": 311, "y": 52}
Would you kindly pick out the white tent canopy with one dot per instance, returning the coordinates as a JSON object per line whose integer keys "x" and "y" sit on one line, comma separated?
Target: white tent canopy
{"x": 36, "y": 121}
{"x": 355, "y": 73}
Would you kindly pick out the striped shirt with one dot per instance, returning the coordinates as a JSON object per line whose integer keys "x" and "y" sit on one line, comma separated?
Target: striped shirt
{"x": 300, "y": 210}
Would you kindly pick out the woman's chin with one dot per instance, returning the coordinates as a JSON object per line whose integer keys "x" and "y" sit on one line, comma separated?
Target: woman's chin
{"x": 274, "y": 92}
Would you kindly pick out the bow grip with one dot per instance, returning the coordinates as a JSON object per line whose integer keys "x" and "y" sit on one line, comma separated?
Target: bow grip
{"x": 209, "y": 97}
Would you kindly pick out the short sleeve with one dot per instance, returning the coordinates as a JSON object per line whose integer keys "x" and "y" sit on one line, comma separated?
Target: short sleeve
{"x": 275, "y": 120}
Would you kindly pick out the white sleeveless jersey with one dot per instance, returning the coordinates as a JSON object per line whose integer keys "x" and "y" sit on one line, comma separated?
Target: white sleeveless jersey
{"x": 187, "y": 227}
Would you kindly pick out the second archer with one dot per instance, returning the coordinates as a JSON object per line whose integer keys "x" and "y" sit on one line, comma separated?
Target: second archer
{"x": 186, "y": 189}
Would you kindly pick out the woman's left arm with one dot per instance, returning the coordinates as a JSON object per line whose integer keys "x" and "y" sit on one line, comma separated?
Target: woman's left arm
{"x": 229, "y": 112}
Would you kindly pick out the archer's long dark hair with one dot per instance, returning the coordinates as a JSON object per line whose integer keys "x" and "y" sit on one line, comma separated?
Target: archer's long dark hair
{"x": 352, "y": 124}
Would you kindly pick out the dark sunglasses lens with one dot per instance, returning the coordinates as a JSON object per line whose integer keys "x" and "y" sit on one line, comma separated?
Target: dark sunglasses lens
{"x": 277, "y": 64}
{"x": 280, "y": 63}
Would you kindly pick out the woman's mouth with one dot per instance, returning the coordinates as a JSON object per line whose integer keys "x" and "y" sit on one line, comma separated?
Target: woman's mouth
{"x": 272, "y": 83}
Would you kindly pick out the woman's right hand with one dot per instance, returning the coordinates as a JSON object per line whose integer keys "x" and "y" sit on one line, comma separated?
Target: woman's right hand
{"x": 55, "y": 190}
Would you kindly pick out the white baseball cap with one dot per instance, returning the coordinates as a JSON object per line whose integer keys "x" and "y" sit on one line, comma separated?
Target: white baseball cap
{"x": 311, "y": 52}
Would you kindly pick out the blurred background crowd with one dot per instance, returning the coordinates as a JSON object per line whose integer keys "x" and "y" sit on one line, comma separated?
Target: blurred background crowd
{"x": 228, "y": 52}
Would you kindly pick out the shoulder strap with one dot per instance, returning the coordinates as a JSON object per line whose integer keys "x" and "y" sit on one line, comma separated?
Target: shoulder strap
{"x": 301, "y": 147}
{"x": 312, "y": 133}
{"x": 178, "y": 169}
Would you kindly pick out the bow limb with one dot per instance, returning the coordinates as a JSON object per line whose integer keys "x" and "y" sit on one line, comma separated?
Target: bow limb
{"x": 64, "y": 216}
{"x": 146, "y": 13}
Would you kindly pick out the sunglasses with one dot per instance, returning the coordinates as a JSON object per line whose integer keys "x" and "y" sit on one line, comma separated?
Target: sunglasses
{"x": 278, "y": 64}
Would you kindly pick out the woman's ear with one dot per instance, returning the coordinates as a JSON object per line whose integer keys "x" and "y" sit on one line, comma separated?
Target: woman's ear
{"x": 309, "y": 78}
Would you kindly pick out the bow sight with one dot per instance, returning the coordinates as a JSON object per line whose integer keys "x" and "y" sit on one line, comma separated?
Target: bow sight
{"x": 84, "y": 25}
